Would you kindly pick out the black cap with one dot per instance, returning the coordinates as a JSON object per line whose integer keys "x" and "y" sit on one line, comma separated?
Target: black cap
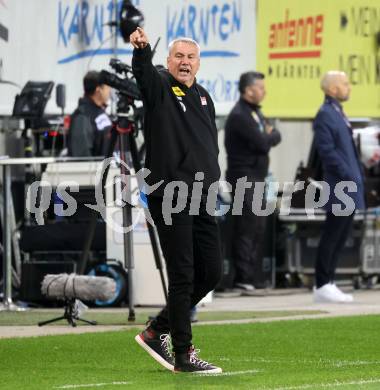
{"x": 249, "y": 78}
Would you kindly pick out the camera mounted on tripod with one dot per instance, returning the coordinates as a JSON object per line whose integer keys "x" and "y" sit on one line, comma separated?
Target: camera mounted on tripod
{"x": 129, "y": 19}
{"x": 126, "y": 86}
{"x": 128, "y": 93}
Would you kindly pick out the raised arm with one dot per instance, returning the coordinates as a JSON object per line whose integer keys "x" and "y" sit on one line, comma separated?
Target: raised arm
{"x": 147, "y": 76}
{"x": 139, "y": 39}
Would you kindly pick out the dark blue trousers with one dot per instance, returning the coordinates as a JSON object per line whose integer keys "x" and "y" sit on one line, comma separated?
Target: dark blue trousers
{"x": 334, "y": 235}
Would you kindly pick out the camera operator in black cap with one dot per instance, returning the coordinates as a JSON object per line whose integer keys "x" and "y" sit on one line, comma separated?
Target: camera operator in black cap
{"x": 90, "y": 124}
{"x": 181, "y": 143}
{"x": 248, "y": 140}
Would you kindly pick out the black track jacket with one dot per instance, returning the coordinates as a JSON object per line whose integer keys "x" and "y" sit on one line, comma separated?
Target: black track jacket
{"x": 180, "y": 130}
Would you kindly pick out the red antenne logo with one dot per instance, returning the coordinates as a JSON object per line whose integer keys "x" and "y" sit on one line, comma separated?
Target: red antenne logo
{"x": 303, "y": 35}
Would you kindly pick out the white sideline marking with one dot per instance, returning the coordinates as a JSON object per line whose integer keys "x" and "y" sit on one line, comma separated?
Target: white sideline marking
{"x": 333, "y": 363}
{"x": 230, "y": 373}
{"x": 92, "y": 385}
{"x": 325, "y": 385}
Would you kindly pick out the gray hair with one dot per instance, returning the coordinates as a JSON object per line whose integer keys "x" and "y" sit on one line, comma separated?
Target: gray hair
{"x": 186, "y": 40}
{"x": 329, "y": 77}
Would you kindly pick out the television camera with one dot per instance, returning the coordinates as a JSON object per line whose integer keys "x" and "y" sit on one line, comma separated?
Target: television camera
{"x": 129, "y": 116}
{"x": 125, "y": 86}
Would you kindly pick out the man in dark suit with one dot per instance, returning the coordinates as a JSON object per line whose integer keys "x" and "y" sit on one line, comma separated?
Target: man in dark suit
{"x": 248, "y": 140}
{"x": 343, "y": 173}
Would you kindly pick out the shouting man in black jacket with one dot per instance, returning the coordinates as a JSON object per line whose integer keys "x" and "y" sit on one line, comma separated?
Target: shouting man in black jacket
{"x": 248, "y": 140}
{"x": 182, "y": 150}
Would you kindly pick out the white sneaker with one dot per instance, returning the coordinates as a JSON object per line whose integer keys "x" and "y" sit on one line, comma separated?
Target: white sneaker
{"x": 244, "y": 287}
{"x": 327, "y": 293}
{"x": 347, "y": 297}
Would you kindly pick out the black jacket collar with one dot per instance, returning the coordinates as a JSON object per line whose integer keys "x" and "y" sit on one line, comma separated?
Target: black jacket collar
{"x": 250, "y": 105}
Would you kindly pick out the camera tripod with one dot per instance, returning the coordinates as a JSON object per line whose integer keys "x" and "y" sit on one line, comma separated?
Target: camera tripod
{"x": 71, "y": 314}
{"x": 122, "y": 133}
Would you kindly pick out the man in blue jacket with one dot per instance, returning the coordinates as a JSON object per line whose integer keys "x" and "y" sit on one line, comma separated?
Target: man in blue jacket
{"x": 343, "y": 173}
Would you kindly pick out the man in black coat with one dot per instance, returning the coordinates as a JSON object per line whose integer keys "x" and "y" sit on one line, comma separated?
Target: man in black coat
{"x": 181, "y": 149}
{"x": 90, "y": 124}
{"x": 248, "y": 140}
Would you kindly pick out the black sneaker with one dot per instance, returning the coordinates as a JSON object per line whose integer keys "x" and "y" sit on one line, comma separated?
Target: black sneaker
{"x": 158, "y": 345}
{"x": 190, "y": 362}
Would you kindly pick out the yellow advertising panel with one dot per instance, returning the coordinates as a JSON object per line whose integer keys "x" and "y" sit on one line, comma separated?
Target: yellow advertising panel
{"x": 299, "y": 40}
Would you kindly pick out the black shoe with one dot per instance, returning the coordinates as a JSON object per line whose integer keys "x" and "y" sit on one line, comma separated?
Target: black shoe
{"x": 190, "y": 362}
{"x": 158, "y": 345}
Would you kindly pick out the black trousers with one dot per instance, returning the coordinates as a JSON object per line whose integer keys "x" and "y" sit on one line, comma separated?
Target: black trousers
{"x": 334, "y": 235}
{"x": 191, "y": 247}
{"x": 248, "y": 233}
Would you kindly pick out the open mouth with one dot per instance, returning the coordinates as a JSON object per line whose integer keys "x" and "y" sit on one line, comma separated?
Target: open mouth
{"x": 184, "y": 71}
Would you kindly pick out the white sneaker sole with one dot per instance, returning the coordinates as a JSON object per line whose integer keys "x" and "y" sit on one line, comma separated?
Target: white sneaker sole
{"x": 329, "y": 300}
{"x": 216, "y": 370}
{"x": 154, "y": 354}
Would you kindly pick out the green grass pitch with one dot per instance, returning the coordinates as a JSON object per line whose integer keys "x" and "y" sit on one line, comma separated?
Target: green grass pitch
{"x": 341, "y": 353}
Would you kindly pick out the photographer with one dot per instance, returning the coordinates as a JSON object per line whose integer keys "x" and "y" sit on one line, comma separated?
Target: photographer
{"x": 90, "y": 124}
{"x": 181, "y": 140}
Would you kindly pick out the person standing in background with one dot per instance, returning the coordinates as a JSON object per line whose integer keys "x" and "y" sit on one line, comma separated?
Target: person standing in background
{"x": 340, "y": 162}
{"x": 90, "y": 124}
{"x": 248, "y": 141}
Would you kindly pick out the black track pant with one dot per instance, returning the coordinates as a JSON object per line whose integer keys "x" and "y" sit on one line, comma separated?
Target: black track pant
{"x": 191, "y": 248}
{"x": 248, "y": 234}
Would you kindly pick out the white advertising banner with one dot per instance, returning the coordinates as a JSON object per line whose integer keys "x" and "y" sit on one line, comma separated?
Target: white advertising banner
{"x": 60, "y": 40}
